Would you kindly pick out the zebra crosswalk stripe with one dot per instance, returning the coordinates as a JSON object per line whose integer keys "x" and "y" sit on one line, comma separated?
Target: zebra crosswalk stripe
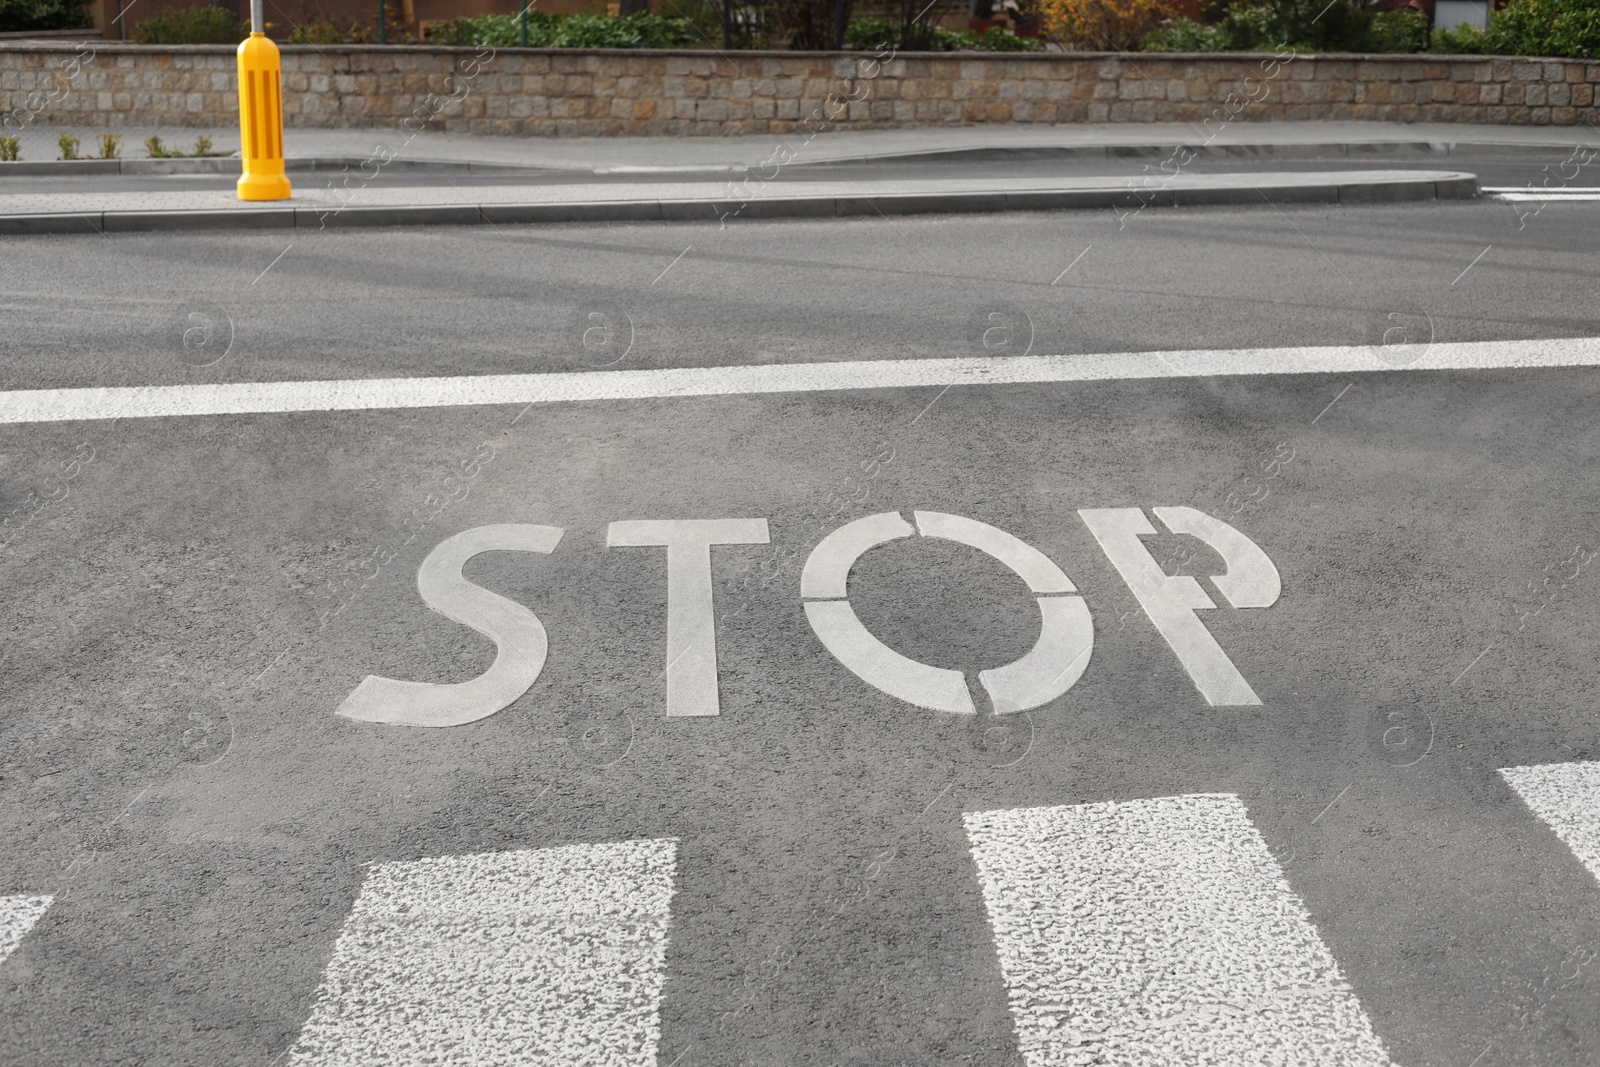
{"x": 1159, "y": 932}
{"x": 17, "y": 916}
{"x": 512, "y": 959}
{"x": 1567, "y": 797}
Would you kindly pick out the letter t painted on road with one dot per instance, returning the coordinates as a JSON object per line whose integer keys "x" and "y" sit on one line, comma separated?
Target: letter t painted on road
{"x": 691, "y": 623}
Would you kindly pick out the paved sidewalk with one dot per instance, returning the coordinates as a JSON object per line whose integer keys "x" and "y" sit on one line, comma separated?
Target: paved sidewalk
{"x": 373, "y": 187}
{"x": 398, "y": 204}
{"x": 647, "y": 154}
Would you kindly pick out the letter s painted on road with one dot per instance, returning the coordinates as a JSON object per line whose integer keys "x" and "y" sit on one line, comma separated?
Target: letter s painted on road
{"x": 518, "y": 635}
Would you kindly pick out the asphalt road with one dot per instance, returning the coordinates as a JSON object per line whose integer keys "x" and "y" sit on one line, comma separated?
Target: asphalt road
{"x": 190, "y": 599}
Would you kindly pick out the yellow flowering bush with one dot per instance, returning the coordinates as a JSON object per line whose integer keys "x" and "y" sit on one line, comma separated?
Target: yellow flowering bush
{"x": 1105, "y": 25}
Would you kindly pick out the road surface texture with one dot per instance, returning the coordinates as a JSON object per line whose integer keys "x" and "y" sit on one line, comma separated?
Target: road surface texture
{"x": 1147, "y": 636}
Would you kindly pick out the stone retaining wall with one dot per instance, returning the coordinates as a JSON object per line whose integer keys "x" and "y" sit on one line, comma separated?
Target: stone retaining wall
{"x": 578, "y": 93}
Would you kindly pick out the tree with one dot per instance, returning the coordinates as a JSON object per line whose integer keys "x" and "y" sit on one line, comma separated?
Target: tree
{"x": 20, "y": 16}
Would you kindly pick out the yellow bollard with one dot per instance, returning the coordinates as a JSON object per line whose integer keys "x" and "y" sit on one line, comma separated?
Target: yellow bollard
{"x": 261, "y": 119}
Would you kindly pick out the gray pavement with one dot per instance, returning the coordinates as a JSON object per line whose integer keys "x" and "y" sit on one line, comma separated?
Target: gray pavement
{"x": 64, "y": 210}
{"x": 192, "y": 597}
{"x": 734, "y": 153}
{"x": 433, "y": 178}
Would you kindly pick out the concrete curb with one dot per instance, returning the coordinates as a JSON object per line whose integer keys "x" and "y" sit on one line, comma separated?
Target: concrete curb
{"x": 1361, "y": 150}
{"x": 111, "y": 168}
{"x": 292, "y": 216}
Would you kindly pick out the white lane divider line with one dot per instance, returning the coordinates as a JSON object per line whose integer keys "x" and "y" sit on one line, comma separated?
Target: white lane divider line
{"x": 1533, "y": 192}
{"x": 1547, "y": 197}
{"x": 1159, "y": 932}
{"x": 260, "y": 398}
{"x": 514, "y": 959}
{"x": 1567, "y": 797}
{"x": 17, "y": 916}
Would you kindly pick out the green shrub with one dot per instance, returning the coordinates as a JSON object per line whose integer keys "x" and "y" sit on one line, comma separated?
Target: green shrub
{"x": 1564, "y": 28}
{"x": 567, "y": 31}
{"x": 10, "y": 149}
{"x": 316, "y": 33}
{"x": 1341, "y": 26}
{"x": 1185, "y": 35}
{"x": 1257, "y": 28}
{"x": 705, "y": 22}
{"x": 111, "y": 146}
{"x": 197, "y": 25}
{"x": 1308, "y": 25}
{"x": 872, "y": 34}
{"x": 1458, "y": 41}
{"x": 1568, "y": 28}
{"x": 996, "y": 39}
{"x": 1242, "y": 27}
{"x": 1400, "y": 30}
{"x": 157, "y": 150}
{"x": 20, "y": 16}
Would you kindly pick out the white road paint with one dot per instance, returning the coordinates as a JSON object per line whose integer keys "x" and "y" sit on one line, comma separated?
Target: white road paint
{"x": 1567, "y": 796}
{"x": 245, "y": 398}
{"x": 852, "y": 644}
{"x": 519, "y": 637}
{"x": 1052, "y": 666}
{"x": 1545, "y": 198}
{"x": 1251, "y": 580}
{"x": 1066, "y": 630}
{"x": 1159, "y": 933}
{"x": 1171, "y": 601}
{"x": 826, "y": 574}
{"x": 691, "y": 614}
{"x": 1056, "y": 661}
{"x": 17, "y": 916}
{"x": 545, "y": 958}
{"x": 1525, "y": 194}
{"x": 1031, "y": 565}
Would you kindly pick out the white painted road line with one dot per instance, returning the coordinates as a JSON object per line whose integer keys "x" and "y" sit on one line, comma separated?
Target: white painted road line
{"x": 17, "y": 916}
{"x": 542, "y": 958}
{"x": 1530, "y": 192}
{"x": 1171, "y": 601}
{"x": 691, "y": 616}
{"x": 251, "y": 398}
{"x": 1159, "y": 932}
{"x": 520, "y": 641}
{"x": 1567, "y": 796}
{"x": 1546, "y": 198}
{"x": 1057, "y": 660}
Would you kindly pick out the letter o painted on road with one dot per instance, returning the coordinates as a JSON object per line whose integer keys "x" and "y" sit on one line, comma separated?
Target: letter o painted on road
{"x": 1057, "y": 660}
